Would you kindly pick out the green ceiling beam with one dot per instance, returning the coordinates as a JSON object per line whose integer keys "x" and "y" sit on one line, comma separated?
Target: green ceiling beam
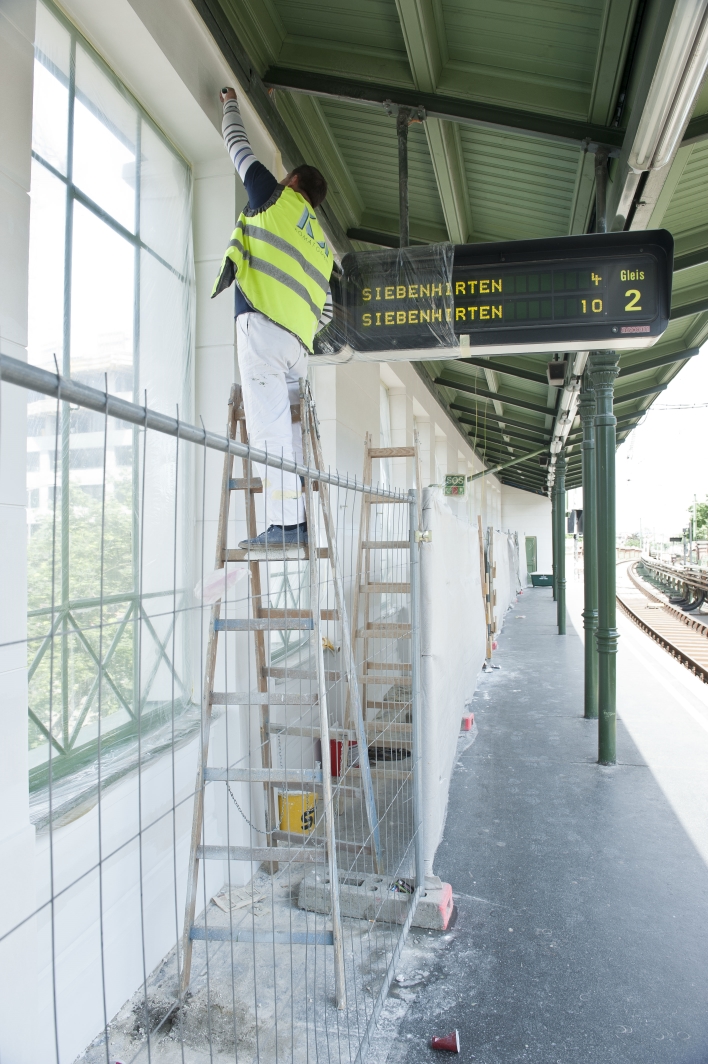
{"x": 501, "y": 418}
{"x": 501, "y": 397}
{"x": 686, "y": 310}
{"x": 522, "y": 487}
{"x": 620, "y": 399}
{"x": 689, "y": 259}
{"x": 383, "y": 240}
{"x": 497, "y": 433}
{"x": 466, "y": 112}
{"x": 655, "y": 363}
{"x": 511, "y": 371}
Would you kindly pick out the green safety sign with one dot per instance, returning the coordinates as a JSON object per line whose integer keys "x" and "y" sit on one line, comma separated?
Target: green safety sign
{"x": 454, "y": 484}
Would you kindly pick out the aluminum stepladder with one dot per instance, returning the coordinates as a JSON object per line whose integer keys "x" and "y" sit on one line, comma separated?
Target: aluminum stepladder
{"x": 380, "y": 732}
{"x": 261, "y": 620}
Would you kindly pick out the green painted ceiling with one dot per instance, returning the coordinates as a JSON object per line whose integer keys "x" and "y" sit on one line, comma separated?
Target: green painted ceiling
{"x": 572, "y": 61}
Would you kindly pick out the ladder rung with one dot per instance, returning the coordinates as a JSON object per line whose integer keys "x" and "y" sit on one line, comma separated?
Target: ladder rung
{"x": 391, "y": 452}
{"x": 386, "y": 705}
{"x": 379, "y": 729}
{"x": 260, "y": 554}
{"x": 390, "y": 773}
{"x": 381, "y": 631}
{"x": 385, "y": 589}
{"x": 403, "y": 679}
{"x": 390, "y": 666}
{"x": 309, "y": 732}
{"x": 258, "y": 854}
{"x": 341, "y": 844}
{"x": 280, "y": 938}
{"x": 264, "y": 775}
{"x": 279, "y": 673}
{"x": 261, "y": 698}
{"x": 386, "y": 544}
{"x": 254, "y": 485}
{"x": 278, "y": 614}
{"x": 263, "y": 624}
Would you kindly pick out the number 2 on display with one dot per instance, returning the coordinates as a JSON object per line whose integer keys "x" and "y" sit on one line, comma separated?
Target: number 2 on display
{"x": 635, "y": 295}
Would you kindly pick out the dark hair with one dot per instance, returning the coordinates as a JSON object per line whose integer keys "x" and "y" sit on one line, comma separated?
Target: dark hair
{"x": 311, "y": 182}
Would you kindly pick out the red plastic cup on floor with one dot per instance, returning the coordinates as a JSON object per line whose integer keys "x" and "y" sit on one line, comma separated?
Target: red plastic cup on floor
{"x": 494, "y": 646}
{"x": 449, "y": 1042}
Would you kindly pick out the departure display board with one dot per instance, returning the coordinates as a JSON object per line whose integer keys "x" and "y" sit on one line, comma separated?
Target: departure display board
{"x": 605, "y": 290}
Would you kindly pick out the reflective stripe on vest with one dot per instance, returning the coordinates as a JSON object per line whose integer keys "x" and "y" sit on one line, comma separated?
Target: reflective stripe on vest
{"x": 281, "y": 262}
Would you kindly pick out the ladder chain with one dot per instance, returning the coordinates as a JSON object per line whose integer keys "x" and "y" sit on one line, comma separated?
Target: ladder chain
{"x": 253, "y": 826}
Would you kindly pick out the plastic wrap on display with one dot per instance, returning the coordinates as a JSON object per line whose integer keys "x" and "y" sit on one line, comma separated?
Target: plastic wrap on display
{"x": 392, "y": 304}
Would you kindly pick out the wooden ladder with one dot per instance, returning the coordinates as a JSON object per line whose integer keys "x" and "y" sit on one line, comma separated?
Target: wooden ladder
{"x": 380, "y": 732}
{"x": 261, "y": 620}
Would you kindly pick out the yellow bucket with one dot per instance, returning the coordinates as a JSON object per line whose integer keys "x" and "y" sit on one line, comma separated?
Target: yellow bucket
{"x": 297, "y": 811}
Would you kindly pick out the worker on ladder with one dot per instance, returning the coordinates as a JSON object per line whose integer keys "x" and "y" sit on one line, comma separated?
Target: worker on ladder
{"x": 282, "y": 264}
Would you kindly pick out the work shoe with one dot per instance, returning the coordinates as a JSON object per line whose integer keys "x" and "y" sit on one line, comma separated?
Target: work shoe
{"x": 278, "y": 536}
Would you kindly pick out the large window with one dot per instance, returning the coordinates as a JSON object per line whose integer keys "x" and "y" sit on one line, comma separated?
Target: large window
{"x": 110, "y": 305}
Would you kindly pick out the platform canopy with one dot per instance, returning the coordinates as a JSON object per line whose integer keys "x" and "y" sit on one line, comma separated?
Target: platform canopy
{"x": 514, "y": 100}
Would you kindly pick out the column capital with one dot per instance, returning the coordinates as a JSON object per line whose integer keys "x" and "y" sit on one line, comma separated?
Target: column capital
{"x": 560, "y": 465}
{"x": 603, "y": 367}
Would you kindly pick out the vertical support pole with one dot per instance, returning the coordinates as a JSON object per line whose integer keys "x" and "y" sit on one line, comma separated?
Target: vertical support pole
{"x": 554, "y": 537}
{"x": 416, "y": 707}
{"x": 586, "y": 406}
{"x": 601, "y": 157}
{"x": 402, "y": 122}
{"x": 604, "y": 366}
{"x": 560, "y": 540}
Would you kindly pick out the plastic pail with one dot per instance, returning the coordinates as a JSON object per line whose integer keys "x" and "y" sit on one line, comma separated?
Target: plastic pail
{"x": 297, "y": 811}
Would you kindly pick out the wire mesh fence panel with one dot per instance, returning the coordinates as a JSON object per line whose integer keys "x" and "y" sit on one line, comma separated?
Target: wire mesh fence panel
{"x": 258, "y": 915}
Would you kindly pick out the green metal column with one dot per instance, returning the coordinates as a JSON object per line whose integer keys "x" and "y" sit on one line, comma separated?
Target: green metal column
{"x": 560, "y": 541}
{"x": 604, "y": 366}
{"x": 586, "y": 409}
{"x": 554, "y": 536}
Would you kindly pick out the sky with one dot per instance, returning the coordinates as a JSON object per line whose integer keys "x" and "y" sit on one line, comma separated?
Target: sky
{"x": 664, "y": 461}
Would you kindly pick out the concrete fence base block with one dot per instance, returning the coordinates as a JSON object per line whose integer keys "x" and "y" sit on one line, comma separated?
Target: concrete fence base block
{"x": 373, "y": 897}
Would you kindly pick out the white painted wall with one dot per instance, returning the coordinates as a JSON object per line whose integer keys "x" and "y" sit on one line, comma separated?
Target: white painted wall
{"x": 17, "y": 881}
{"x": 529, "y": 515}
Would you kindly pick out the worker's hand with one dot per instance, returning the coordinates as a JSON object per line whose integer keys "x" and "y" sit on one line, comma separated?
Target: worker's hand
{"x": 227, "y": 94}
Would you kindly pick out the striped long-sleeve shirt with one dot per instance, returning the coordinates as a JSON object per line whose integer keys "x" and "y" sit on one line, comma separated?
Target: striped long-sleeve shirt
{"x": 260, "y": 185}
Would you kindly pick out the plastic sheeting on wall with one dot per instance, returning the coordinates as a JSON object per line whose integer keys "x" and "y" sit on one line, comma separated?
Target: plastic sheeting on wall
{"x": 453, "y": 645}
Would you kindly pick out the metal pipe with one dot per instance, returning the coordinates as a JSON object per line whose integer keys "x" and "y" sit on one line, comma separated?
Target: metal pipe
{"x": 560, "y": 560}
{"x": 12, "y": 371}
{"x": 416, "y": 703}
{"x": 402, "y": 122}
{"x": 604, "y": 367}
{"x": 505, "y": 465}
{"x": 586, "y": 405}
{"x": 554, "y": 538}
{"x": 601, "y": 156}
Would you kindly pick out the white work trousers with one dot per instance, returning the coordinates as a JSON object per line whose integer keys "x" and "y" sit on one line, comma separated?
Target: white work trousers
{"x": 271, "y": 361}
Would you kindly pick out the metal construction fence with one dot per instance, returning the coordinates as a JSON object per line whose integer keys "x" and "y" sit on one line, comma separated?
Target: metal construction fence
{"x": 287, "y": 681}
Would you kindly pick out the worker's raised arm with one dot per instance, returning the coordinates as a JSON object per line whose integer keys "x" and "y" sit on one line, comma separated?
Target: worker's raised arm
{"x": 234, "y": 133}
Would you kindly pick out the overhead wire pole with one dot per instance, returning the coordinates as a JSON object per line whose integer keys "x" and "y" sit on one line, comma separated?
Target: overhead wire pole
{"x": 604, "y": 366}
{"x": 559, "y": 488}
{"x": 586, "y": 407}
{"x": 554, "y": 539}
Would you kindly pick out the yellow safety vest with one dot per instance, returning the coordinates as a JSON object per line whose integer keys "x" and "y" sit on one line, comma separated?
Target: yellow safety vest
{"x": 281, "y": 262}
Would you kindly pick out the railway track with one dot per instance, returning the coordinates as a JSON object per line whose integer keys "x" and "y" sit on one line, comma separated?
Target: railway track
{"x": 684, "y": 637}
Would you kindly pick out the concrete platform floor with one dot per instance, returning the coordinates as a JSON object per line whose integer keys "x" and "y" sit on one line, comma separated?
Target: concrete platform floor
{"x": 582, "y": 925}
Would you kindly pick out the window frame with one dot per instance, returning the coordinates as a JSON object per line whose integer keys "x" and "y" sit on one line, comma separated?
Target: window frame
{"x": 68, "y": 755}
